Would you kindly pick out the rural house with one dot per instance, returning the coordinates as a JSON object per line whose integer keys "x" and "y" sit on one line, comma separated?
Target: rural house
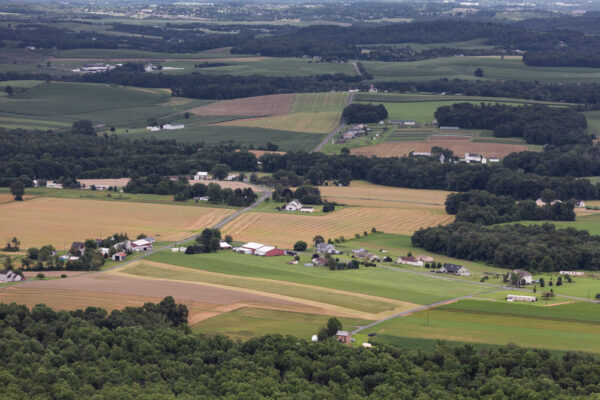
{"x": 201, "y": 176}
{"x": 523, "y": 276}
{"x": 293, "y": 205}
{"x": 454, "y": 269}
{"x": 320, "y": 261}
{"x": 120, "y": 256}
{"x": 410, "y": 260}
{"x": 141, "y": 245}
{"x": 343, "y": 337}
{"x": 10, "y": 276}
{"x": 326, "y": 248}
{"x": 77, "y": 246}
{"x": 473, "y": 157}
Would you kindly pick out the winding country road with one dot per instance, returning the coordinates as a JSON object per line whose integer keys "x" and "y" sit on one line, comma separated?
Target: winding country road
{"x": 336, "y": 130}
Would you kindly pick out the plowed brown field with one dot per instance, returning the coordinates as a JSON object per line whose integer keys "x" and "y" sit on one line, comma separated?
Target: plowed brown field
{"x": 459, "y": 147}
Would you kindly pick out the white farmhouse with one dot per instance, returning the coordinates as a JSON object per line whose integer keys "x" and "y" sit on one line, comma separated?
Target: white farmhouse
{"x": 9, "y": 276}
{"x": 293, "y": 205}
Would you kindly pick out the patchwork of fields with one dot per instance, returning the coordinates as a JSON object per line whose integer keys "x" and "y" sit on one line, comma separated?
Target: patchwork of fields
{"x": 309, "y": 112}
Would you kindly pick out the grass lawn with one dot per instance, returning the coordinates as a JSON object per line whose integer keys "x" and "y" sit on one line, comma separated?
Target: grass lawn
{"x": 590, "y": 223}
{"x": 573, "y": 327}
{"x": 373, "y": 281}
{"x": 251, "y": 322}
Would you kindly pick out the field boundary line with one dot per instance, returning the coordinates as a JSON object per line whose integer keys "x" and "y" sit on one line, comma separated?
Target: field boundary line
{"x": 285, "y": 283}
{"x": 336, "y": 130}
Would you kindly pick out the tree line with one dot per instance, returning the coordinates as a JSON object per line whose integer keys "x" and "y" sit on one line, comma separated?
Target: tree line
{"x": 568, "y": 160}
{"x": 183, "y": 190}
{"x": 481, "y": 207}
{"x": 537, "y": 123}
{"x": 533, "y": 248}
{"x": 358, "y": 113}
{"x": 148, "y": 352}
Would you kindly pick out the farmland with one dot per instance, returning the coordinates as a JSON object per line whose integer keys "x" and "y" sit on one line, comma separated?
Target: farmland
{"x": 249, "y": 106}
{"x": 60, "y": 221}
{"x": 309, "y": 112}
{"x": 57, "y": 105}
{"x": 557, "y": 327}
{"x": 464, "y": 68}
{"x": 459, "y": 147}
{"x": 266, "y": 227}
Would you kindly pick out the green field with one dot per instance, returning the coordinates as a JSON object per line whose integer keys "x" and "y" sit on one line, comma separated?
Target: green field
{"x": 108, "y": 54}
{"x": 319, "y": 102}
{"x": 590, "y": 223}
{"x": 268, "y": 66}
{"x": 393, "y": 97}
{"x": 464, "y": 68}
{"x": 423, "y": 111}
{"x": 408, "y": 134}
{"x": 593, "y": 120}
{"x": 251, "y": 322}
{"x": 372, "y": 281}
{"x": 562, "y": 327}
{"x": 257, "y": 137}
{"x": 58, "y": 104}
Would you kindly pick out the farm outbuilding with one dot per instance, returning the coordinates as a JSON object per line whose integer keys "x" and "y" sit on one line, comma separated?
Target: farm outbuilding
{"x": 120, "y": 256}
{"x": 269, "y": 251}
{"x": 141, "y": 245}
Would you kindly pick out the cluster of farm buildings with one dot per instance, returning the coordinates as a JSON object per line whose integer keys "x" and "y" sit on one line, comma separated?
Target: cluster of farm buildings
{"x": 117, "y": 252}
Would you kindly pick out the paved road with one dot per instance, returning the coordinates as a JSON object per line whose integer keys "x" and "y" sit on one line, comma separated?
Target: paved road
{"x": 335, "y": 131}
{"x": 421, "y": 308}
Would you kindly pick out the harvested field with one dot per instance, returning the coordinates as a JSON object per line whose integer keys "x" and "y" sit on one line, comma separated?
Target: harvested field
{"x": 6, "y": 198}
{"x": 444, "y": 137}
{"x": 315, "y": 122}
{"x": 69, "y": 274}
{"x": 367, "y": 194}
{"x": 157, "y": 59}
{"x": 59, "y": 222}
{"x": 116, "y": 292}
{"x": 119, "y": 182}
{"x": 249, "y": 106}
{"x": 260, "y": 153}
{"x": 284, "y": 230}
{"x": 230, "y": 184}
{"x": 459, "y": 147}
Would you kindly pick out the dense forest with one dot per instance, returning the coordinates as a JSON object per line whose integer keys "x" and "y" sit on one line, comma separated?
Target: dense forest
{"x": 74, "y": 154}
{"x": 537, "y": 124}
{"x": 148, "y": 353}
{"x": 534, "y": 247}
{"x": 481, "y": 207}
{"x": 364, "y": 113}
{"x": 575, "y": 161}
{"x": 71, "y": 154}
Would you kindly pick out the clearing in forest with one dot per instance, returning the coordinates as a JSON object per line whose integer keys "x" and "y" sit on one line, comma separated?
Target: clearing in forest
{"x": 59, "y": 222}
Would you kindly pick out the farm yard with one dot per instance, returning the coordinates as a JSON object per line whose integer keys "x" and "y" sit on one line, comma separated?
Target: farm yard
{"x": 60, "y": 221}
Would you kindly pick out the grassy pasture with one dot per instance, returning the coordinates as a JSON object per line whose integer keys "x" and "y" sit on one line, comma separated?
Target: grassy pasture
{"x": 369, "y": 281}
{"x": 569, "y": 328}
{"x": 408, "y": 135}
{"x": 464, "y": 68}
{"x": 108, "y": 54}
{"x": 590, "y": 223}
{"x": 346, "y": 300}
{"x": 58, "y": 222}
{"x": 55, "y": 105}
{"x": 426, "y": 97}
{"x": 251, "y": 322}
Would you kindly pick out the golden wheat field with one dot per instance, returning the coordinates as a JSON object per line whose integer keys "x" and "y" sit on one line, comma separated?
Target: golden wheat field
{"x": 284, "y": 230}
{"x": 363, "y": 193}
{"x": 459, "y": 147}
{"x": 249, "y": 106}
{"x": 61, "y": 221}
